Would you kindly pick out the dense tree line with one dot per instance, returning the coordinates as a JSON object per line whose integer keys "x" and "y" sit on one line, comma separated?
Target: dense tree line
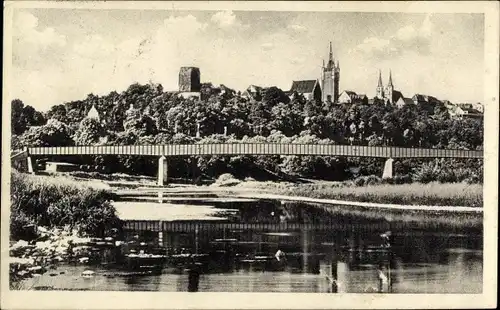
{"x": 145, "y": 114}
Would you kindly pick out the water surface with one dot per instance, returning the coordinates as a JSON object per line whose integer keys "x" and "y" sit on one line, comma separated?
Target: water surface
{"x": 434, "y": 260}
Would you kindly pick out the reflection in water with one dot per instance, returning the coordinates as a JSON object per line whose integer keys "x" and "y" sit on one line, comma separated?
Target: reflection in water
{"x": 302, "y": 259}
{"x": 247, "y": 262}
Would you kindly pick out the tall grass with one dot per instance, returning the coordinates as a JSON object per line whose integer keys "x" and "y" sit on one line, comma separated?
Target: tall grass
{"x": 432, "y": 194}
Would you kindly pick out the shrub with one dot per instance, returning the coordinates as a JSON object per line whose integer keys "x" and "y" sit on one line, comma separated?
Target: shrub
{"x": 224, "y": 177}
{"x": 426, "y": 173}
{"x": 48, "y": 202}
{"x": 373, "y": 180}
{"x": 388, "y": 181}
{"x": 448, "y": 171}
{"x": 359, "y": 181}
{"x": 402, "y": 179}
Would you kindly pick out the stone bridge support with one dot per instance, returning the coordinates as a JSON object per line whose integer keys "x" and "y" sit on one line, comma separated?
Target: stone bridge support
{"x": 30, "y": 166}
{"x": 388, "y": 169}
{"x": 162, "y": 171}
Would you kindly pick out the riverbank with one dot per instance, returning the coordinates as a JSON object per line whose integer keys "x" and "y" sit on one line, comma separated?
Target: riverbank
{"x": 434, "y": 194}
{"x": 460, "y": 196}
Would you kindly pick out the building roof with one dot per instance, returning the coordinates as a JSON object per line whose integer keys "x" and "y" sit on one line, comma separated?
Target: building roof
{"x": 93, "y": 113}
{"x": 407, "y": 100}
{"x": 425, "y": 98}
{"x": 396, "y": 95}
{"x": 350, "y": 93}
{"x": 470, "y": 110}
{"x": 254, "y": 88}
{"x": 306, "y": 86}
{"x": 361, "y": 96}
{"x": 418, "y": 97}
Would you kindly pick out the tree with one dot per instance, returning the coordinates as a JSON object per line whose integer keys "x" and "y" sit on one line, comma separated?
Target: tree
{"x": 89, "y": 132}
{"x": 33, "y": 117}
{"x": 141, "y": 125}
{"x": 273, "y": 95}
{"x": 54, "y": 133}
{"x": 286, "y": 120}
{"x": 18, "y": 122}
{"x": 57, "y": 112}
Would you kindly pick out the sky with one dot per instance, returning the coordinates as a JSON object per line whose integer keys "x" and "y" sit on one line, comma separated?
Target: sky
{"x": 59, "y": 55}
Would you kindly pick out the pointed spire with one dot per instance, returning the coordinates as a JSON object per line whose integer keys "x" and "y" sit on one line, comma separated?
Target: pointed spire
{"x": 390, "y": 78}
{"x": 380, "y": 79}
{"x": 331, "y": 62}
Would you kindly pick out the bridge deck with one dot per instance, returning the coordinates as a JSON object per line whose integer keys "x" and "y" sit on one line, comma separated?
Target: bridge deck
{"x": 257, "y": 149}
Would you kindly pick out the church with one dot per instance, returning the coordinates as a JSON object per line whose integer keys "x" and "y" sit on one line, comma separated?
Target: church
{"x": 387, "y": 94}
{"x": 326, "y": 90}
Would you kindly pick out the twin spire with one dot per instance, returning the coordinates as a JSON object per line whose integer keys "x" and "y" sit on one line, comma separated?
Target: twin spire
{"x": 380, "y": 78}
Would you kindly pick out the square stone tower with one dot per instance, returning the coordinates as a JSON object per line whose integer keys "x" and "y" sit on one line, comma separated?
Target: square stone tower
{"x": 189, "y": 79}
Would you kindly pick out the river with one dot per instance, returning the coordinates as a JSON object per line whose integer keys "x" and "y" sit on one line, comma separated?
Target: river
{"x": 214, "y": 244}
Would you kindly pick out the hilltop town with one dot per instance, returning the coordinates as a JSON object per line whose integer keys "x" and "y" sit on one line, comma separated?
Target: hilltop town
{"x": 326, "y": 90}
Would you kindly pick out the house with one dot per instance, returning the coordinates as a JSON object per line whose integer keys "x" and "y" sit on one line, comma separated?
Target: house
{"x": 447, "y": 103}
{"x": 208, "y": 90}
{"x": 362, "y": 98}
{"x": 375, "y": 100}
{"x": 393, "y": 97}
{"x": 253, "y": 92}
{"x": 462, "y": 112}
{"x": 402, "y": 101}
{"x": 310, "y": 89}
{"x": 476, "y": 106}
{"x": 226, "y": 90}
{"x": 422, "y": 99}
{"x": 348, "y": 96}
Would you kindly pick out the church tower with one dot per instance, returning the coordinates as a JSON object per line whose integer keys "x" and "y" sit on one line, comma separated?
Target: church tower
{"x": 380, "y": 87}
{"x": 389, "y": 90}
{"x": 330, "y": 79}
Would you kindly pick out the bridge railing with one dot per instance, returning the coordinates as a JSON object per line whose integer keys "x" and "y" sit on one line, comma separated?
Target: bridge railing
{"x": 257, "y": 149}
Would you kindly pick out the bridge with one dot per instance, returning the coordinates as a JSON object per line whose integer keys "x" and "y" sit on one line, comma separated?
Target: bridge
{"x": 235, "y": 149}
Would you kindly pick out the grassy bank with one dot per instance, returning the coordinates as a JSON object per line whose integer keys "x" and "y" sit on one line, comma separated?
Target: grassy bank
{"x": 432, "y": 194}
{"x": 56, "y": 202}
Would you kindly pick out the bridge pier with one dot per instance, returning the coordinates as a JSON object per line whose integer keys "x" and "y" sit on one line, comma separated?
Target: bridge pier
{"x": 162, "y": 171}
{"x": 388, "y": 169}
{"x": 31, "y": 168}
